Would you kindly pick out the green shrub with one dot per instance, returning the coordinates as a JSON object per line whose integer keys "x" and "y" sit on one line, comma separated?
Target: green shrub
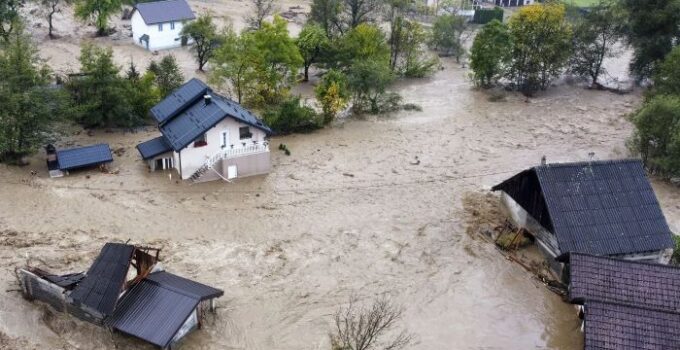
{"x": 484, "y": 16}
{"x": 657, "y": 135}
{"x": 290, "y": 116}
{"x": 675, "y": 259}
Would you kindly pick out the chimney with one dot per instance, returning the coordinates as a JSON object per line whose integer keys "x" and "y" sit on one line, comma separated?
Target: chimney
{"x": 207, "y": 99}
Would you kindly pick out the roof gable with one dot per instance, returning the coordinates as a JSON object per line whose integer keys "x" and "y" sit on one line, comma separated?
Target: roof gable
{"x": 154, "y": 12}
{"x": 601, "y": 208}
{"x": 153, "y": 147}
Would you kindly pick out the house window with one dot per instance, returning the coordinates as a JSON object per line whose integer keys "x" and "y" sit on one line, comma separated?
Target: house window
{"x": 244, "y": 133}
{"x": 225, "y": 138}
{"x": 172, "y": 25}
{"x": 201, "y": 141}
{"x": 160, "y": 27}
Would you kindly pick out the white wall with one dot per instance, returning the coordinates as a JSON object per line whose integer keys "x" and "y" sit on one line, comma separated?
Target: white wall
{"x": 166, "y": 39}
{"x": 194, "y": 157}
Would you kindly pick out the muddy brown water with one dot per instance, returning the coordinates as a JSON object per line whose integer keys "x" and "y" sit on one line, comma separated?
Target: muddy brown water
{"x": 366, "y": 207}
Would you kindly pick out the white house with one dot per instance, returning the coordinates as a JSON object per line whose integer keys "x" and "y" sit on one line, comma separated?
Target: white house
{"x": 157, "y": 25}
{"x": 205, "y": 136}
{"x": 511, "y": 3}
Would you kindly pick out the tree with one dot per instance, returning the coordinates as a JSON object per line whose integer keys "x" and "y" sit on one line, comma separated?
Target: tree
{"x": 412, "y": 59}
{"x": 365, "y": 42}
{"x": 167, "y": 75}
{"x": 236, "y": 62}
{"x": 356, "y": 12}
{"x": 653, "y": 30}
{"x": 657, "y": 135}
{"x": 141, "y": 95}
{"x": 368, "y": 81}
{"x": 9, "y": 17}
{"x": 667, "y": 77}
{"x": 333, "y": 94}
{"x": 204, "y": 34}
{"x": 311, "y": 42}
{"x": 262, "y": 10}
{"x": 395, "y": 17}
{"x": 541, "y": 43}
{"x": 99, "y": 92}
{"x": 447, "y": 32}
{"x": 365, "y": 328}
{"x": 290, "y": 116}
{"x": 489, "y": 53}
{"x": 594, "y": 38}
{"x": 326, "y": 13}
{"x": 51, "y": 7}
{"x": 29, "y": 105}
{"x": 99, "y": 11}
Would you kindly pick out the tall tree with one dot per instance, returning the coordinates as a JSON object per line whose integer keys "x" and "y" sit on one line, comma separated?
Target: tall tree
{"x": 311, "y": 42}
{"x": 262, "y": 9}
{"x": 99, "y": 11}
{"x": 411, "y": 59}
{"x": 541, "y": 43}
{"x": 368, "y": 81}
{"x": 29, "y": 106}
{"x": 235, "y": 62}
{"x": 141, "y": 94}
{"x": 326, "y": 13}
{"x": 667, "y": 77}
{"x": 395, "y": 17}
{"x": 9, "y": 17}
{"x": 490, "y": 53}
{"x": 654, "y": 28}
{"x": 356, "y": 12}
{"x": 52, "y": 7}
{"x": 365, "y": 42}
{"x": 204, "y": 34}
{"x": 594, "y": 38}
{"x": 657, "y": 135}
{"x": 333, "y": 94}
{"x": 167, "y": 75}
{"x": 447, "y": 32}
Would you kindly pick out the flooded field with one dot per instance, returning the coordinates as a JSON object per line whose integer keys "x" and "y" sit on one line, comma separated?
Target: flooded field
{"x": 365, "y": 207}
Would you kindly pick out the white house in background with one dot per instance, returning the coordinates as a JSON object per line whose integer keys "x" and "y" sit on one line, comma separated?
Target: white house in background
{"x": 205, "y": 136}
{"x": 512, "y": 3}
{"x": 157, "y": 25}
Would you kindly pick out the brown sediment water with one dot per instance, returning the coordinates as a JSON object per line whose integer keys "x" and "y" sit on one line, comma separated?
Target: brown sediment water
{"x": 366, "y": 207}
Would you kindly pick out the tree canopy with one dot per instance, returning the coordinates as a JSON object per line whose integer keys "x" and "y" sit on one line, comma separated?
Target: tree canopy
{"x": 311, "y": 43}
{"x": 99, "y": 11}
{"x": 206, "y": 39}
{"x": 489, "y": 53}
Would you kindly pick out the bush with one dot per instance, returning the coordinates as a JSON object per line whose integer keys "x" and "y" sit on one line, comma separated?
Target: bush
{"x": 484, "y": 16}
{"x": 675, "y": 259}
{"x": 290, "y": 116}
{"x": 657, "y": 135}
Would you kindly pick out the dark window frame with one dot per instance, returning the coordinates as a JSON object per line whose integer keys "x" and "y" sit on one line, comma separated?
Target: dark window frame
{"x": 201, "y": 141}
{"x": 244, "y": 135}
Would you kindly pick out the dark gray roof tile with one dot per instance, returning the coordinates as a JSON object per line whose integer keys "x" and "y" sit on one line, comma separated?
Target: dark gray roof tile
{"x": 165, "y": 11}
{"x": 153, "y": 147}
{"x": 81, "y": 157}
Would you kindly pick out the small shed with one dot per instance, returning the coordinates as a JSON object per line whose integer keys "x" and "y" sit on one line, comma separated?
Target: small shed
{"x": 59, "y": 162}
{"x": 601, "y": 207}
{"x": 625, "y": 304}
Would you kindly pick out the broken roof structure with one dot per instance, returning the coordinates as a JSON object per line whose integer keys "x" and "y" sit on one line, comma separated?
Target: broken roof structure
{"x": 626, "y": 304}
{"x": 155, "y": 305}
{"x": 600, "y": 207}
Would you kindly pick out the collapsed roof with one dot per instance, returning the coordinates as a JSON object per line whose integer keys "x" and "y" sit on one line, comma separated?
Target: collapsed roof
{"x": 600, "y": 207}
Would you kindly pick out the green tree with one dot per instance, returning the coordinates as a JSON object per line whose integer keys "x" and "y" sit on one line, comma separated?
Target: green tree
{"x": 413, "y": 60}
{"x": 99, "y": 11}
{"x": 489, "y": 53}
{"x": 167, "y": 75}
{"x": 541, "y": 43}
{"x": 99, "y": 92}
{"x": 9, "y": 17}
{"x": 311, "y": 42}
{"x": 333, "y": 94}
{"x": 368, "y": 81}
{"x": 141, "y": 95}
{"x": 204, "y": 34}
{"x": 653, "y": 30}
{"x": 29, "y": 105}
{"x": 236, "y": 62}
{"x": 356, "y": 12}
{"x": 262, "y": 9}
{"x": 326, "y": 13}
{"x": 657, "y": 135}
{"x": 365, "y": 42}
{"x": 291, "y": 116}
{"x": 51, "y": 7}
{"x": 594, "y": 38}
{"x": 447, "y": 32}
{"x": 667, "y": 77}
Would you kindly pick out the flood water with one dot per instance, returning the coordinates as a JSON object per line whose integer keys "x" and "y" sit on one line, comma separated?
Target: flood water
{"x": 366, "y": 208}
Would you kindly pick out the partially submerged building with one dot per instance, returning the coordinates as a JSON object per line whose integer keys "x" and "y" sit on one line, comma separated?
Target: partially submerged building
{"x": 625, "y": 304}
{"x": 126, "y": 290}
{"x": 205, "y": 136}
{"x": 600, "y": 208}
{"x": 60, "y": 162}
{"x": 157, "y": 25}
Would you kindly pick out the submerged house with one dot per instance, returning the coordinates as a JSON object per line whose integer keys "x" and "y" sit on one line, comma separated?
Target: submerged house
{"x": 157, "y": 25}
{"x": 126, "y": 290}
{"x": 625, "y": 304}
{"x": 601, "y": 208}
{"x": 60, "y": 162}
{"x": 205, "y": 136}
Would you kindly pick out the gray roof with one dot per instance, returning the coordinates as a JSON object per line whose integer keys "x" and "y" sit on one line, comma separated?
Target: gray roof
{"x": 618, "y": 327}
{"x": 82, "y": 157}
{"x": 155, "y": 308}
{"x": 183, "y": 115}
{"x": 652, "y": 286}
{"x": 104, "y": 281}
{"x": 153, "y": 147}
{"x": 600, "y": 208}
{"x": 165, "y": 11}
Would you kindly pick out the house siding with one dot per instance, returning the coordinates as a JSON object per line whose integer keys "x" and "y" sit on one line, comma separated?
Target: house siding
{"x": 167, "y": 39}
{"x": 192, "y": 158}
